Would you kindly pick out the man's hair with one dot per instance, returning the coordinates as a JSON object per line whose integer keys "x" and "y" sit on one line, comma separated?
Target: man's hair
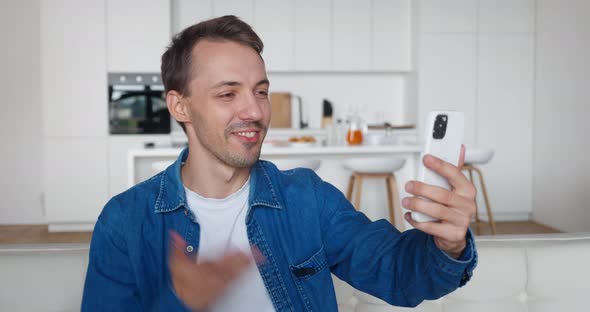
{"x": 177, "y": 60}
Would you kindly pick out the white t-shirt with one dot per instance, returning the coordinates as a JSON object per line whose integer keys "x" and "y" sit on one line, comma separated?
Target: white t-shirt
{"x": 223, "y": 226}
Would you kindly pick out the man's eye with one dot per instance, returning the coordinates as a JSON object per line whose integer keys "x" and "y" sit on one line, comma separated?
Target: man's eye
{"x": 262, "y": 93}
{"x": 228, "y": 95}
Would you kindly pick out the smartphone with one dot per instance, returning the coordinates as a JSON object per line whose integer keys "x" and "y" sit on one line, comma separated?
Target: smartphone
{"x": 443, "y": 139}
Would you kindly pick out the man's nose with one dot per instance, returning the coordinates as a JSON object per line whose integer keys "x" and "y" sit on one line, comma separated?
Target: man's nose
{"x": 250, "y": 109}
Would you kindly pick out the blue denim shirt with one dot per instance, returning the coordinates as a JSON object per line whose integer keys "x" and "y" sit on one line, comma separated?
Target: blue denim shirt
{"x": 305, "y": 228}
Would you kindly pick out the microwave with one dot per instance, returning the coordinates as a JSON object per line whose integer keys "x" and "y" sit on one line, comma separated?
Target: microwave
{"x": 137, "y": 104}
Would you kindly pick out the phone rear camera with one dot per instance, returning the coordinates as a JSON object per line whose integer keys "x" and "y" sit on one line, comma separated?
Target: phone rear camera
{"x": 440, "y": 127}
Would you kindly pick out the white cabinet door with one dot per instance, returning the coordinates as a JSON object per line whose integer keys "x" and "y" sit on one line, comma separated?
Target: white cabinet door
{"x": 119, "y": 146}
{"x": 504, "y": 118}
{"x": 448, "y": 16}
{"x": 75, "y": 179}
{"x": 188, "y": 12}
{"x": 313, "y": 34}
{"x": 274, "y": 23}
{"x": 351, "y": 35}
{"x": 506, "y": 16}
{"x": 138, "y": 32}
{"x": 447, "y": 77}
{"x": 391, "y": 35}
{"x": 73, "y": 61}
{"x": 244, "y": 9}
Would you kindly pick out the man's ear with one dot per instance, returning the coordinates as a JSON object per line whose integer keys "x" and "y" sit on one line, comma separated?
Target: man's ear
{"x": 178, "y": 106}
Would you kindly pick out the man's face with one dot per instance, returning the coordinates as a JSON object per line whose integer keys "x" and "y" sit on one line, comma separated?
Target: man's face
{"x": 228, "y": 101}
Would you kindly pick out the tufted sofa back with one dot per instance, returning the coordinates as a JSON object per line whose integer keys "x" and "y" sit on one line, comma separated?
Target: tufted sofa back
{"x": 515, "y": 273}
{"x": 534, "y": 273}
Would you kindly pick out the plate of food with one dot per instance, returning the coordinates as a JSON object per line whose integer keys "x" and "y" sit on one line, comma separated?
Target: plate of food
{"x": 303, "y": 141}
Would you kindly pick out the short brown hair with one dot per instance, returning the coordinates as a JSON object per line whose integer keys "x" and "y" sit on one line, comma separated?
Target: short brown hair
{"x": 176, "y": 61}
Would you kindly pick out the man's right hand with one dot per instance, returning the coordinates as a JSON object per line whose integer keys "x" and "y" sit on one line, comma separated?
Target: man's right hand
{"x": 199, "y": 285}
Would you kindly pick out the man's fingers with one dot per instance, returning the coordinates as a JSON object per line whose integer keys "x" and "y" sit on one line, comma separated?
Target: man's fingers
{"x": 461, "y": 157}
{"x": 258, "y": 256}
{"x": 433, "y": 209}
{"x": 444, "y": 231}
{"x": 440, "y": 195}
{"x": 232, "y": 265}
{"x": 452, "y": 173}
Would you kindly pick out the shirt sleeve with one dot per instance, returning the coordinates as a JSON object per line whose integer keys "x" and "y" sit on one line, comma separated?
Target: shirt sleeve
{"x": 110, "y": 283}
{"x": 401, "y": 268}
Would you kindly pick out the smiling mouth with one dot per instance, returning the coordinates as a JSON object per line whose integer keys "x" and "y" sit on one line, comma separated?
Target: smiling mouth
{"x": 247, "y": 134}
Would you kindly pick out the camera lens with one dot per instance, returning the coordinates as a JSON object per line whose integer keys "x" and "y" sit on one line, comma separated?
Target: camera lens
{"x": 440, "y": 127}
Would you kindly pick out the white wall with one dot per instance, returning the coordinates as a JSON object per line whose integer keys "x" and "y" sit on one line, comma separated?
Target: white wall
{"x": 379, "y": 97}
{"x": 561, "y": 182}
{"x": 21, "y": 155}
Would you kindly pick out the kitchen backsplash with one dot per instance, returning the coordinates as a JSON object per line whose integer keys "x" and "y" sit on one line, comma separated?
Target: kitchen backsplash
{"x": 378, "y": 97}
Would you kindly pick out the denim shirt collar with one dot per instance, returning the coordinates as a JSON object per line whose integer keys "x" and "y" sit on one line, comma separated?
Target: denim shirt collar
{"x": 172, "y": 196}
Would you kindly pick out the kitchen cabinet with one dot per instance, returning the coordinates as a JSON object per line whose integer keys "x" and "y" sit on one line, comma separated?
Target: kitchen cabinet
{"x": 188, "y": 12}
{"x": 391, "y": 35}
{"x": 449, "y": 16}
{"x": 447, "y": 77}
{"x": 76, "y": 181}
{"x": 506, "y": 16}
{"x": 505, "y": 118}
{"x": 274, "y": 24}
{"x": 322, "y": 35}
{"x": 313, "y": 33}
{"x": 477, "y": 56}
{"x": 351, "y": 35}
{"x": 138, "y": 32}
{"x": 73, "y": 62}
{"x": 118, "y": 146}
{"x": 244, "y": 9}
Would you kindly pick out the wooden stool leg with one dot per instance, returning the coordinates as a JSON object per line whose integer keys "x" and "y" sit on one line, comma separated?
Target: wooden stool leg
{"x": 396, "y": 200}
{"x": 359, "y": 187}
{"x": 477, "y": 221}
{"x": 350, "y": 186}
{"x": 487, "y": 201}
{"x": 388, "y": 185}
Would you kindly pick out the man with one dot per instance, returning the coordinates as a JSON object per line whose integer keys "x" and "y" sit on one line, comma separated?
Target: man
{"x": 220, "y": 230}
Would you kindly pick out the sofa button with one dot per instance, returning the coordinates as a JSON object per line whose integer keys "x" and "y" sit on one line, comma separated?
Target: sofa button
{"x": 189, "y": 248}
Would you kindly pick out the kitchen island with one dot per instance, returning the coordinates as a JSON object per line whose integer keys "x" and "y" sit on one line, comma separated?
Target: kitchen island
{"x": 145, "y": 162}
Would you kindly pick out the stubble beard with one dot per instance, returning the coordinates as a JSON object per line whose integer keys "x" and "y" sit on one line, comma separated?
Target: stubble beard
{"x": 236, "y": 159}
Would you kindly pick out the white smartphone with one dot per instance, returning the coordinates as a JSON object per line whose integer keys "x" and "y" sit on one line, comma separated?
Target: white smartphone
{"x": 443, "y": 139}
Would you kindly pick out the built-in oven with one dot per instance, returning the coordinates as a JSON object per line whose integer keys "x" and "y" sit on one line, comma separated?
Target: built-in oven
{"x": 137, "y": 104}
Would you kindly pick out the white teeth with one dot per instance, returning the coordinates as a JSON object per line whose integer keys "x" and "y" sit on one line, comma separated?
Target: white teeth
{"x": 247, "y": 134}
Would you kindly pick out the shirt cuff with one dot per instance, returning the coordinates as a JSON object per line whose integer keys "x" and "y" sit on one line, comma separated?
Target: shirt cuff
{"x": 463, "y": 266}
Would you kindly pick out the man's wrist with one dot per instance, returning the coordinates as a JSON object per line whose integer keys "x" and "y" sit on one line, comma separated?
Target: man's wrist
{"x": 454, "y": 252}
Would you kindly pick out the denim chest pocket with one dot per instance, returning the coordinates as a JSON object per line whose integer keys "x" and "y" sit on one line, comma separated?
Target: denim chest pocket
{"x": 314, "y": 282}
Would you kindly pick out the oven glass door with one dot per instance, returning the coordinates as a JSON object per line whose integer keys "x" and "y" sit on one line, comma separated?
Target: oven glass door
{"x": 138, "y": 109}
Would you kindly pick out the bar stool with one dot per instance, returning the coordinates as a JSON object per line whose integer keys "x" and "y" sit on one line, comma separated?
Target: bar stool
{"x": 287, "y": 164}
{"x": 475, "y": 156}
{"x": 370, "y": 168}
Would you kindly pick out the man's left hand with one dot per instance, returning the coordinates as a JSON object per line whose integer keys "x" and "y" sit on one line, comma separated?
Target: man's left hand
{"x": 453, "y": 208}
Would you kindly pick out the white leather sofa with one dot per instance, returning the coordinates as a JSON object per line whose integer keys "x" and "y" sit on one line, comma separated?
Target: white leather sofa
{"x": 535, "y": 273}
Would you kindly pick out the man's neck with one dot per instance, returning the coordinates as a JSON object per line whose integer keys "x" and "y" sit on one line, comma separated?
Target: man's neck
{"x": 207, "y": 176}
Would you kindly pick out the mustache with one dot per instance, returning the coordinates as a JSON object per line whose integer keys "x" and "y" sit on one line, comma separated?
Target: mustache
{"x": 246, "y": 125}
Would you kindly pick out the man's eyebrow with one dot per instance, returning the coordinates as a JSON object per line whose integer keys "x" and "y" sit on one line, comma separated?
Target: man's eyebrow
{"x": 226, "y": 83}
{"x": 237, "y": 83}
{"x": 263, "y": 81}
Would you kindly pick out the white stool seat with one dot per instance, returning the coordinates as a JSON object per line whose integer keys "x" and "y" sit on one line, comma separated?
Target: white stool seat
{"x": 374, "y": 164}
{"x": 287, "y": 164}
{"x": 478, "y": 156}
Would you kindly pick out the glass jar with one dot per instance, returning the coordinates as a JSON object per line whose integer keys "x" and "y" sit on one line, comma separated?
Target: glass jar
{"x": 354, "y": 135}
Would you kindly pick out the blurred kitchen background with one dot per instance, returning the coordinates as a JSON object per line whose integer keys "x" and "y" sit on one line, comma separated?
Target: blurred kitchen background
{"x": 82, "y": 96}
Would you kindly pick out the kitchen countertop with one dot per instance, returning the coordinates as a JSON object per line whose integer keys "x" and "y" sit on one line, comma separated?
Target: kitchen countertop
{"x": 269, "y": 150}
